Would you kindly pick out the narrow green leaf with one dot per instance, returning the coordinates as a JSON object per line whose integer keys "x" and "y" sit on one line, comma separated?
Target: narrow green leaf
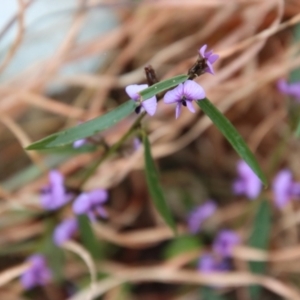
{"x": 233, "y": 137}
{"x": 181, "y": 245}
{"x": 86, "y": 129}
{"x": 260, "y": 239}
{"x": 162, "y": 86}
{"x": 155, "y": 189}
{"x": 87, "y": 235}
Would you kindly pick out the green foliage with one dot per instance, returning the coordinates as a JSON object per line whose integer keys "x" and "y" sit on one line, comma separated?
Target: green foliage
{"x": 233, "y": 137}
{"x": 182, "y": 244}
{"x": 260, "y": 239}
{"x": 155, "y": 189}
{"x": 84, "y": 130}
{"x": 88, "y": 238}
{"x": 208, "y": 293}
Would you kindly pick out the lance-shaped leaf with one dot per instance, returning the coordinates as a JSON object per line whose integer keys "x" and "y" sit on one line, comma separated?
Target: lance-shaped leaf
{"x": 155, "y": 189}
{"x": 233, "y": 137}
{"x": 86, "y": 129}
{"x": 162, "y": 86}
{"x": 259, "y": 238}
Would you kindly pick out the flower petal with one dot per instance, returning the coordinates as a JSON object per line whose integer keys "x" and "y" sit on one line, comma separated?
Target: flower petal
{"x": 133, "y": 89}
{"x": 189, "y": 105}
{"x": 98, "y": 196}
{"x": 193, "y": 90}
{"x": 174, "y": 95}
{"x": 281, "y": 188}
{"x": 202, "y": 51}
{"x": 82, "y": 204}
{"x": 210, "y": 68}
{"x": 64, "y": 231}
{"x": 213, "y": 58}
{"x": 178, "y": 110}
{"x": 150, "y": 105}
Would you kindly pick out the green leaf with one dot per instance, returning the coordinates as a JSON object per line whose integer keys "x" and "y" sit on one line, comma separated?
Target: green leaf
{"x": 87, "y": 235}
{"x": 208, "y": 293}
{"x": 260, "y": 239}
{"x": 155, "y": 189}
{"x": 233, "y": 137}
{"x": 162, "y": 86}
{"x": 86, "y": 129}
{"x": 182, "y": 244}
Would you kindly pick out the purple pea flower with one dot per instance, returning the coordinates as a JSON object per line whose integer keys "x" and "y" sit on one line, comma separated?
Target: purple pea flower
{"x": 184, "y": 94}
{"x": 64, "y": 231}
{"x": 200, "y": 214}
{"x": 91, "y": 204}
{"x": 224, "y": 243}
{"x": 247, "y": 183}
{"x": 37, "y": 274}
{"x": 54, "y": 195}
{"x": 148, "y": 105}
{"x": 209, "y": 57}
{"x": 208, "y": 263}
{"x": 284, "y": 188}
{"x": 292, "y": 89}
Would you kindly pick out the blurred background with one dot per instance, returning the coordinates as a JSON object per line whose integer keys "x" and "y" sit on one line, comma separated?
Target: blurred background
{"x": 65, "y": 62}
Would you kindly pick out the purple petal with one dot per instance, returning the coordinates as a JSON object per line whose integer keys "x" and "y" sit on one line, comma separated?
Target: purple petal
{"x": 28, "y": 280}
{"x": 189, "y": 105}
{"x": 200, "y": 214}
{"x": 79, "y": 143}
{"x": 224, "y": 243}
{"x": 98, "y": 196}
{"x": 281, "y": 188}
{"x": 210, "y": 68}
{"x": 178, "y": 110}
{"x": 82, "y": 204}
{"x": 174, "y": 95}
{"x": 238, "y": 187}
{"x": 193, "y": 90}
{"x": 101, "y": 212}
{"x": 133, "y": 90}
{"x": 207, "y": 264}
{"x": 283, "y": 86}
{"x": 92, "y": 216}
{"x": 150, "y": 105}
{"x": 202, "y": 51}
{"x": 253, "y": 186}
{"x": 213, "y": 58}
{"x": 64, "y": 231}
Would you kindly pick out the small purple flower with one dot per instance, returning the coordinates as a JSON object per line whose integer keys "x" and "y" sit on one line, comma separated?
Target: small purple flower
{"x": 91, "y": 204}
{"x": 148, "y": 105}
{"x": 224, "y": 243}
{"x": 284, "y": 188}
{"x": 247, "y": 183}
{"x": 200, "y": 214}
{"x": 208, "y": 263}
{"x": 54, "y": 195}
{"x": 79, "y": 143}
{"x": 184, "y": 94}
{"x": 290, "y": 89}
{"x": 64, "y": 231}
{"x": 37, "y": 274}
{"x": 209, "y": 57}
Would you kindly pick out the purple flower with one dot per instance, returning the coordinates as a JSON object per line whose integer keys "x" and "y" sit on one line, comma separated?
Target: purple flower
{"x": 79, "y": 143}
{"x": 38, "y": 272}
{"x": 54, "y": 195}
{"x": 148, "y": 105}
{"x": 292, "y": 89}
{"x": 284, "y": 188}
{"x": 64, "y": 231}
{"x": 247, "y": 183}
{"x": 91, "y": 204}
{"x": 200, "y": 214}
{"x": 208, "y": 263}
{"x": 224, "y": 243}
{"x": 184, "y": 94}
{"x": 209, "y": 57}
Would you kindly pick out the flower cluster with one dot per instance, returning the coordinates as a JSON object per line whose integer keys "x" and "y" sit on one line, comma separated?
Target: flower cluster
{"x": 247, "y": 182}
{"x": 38, "y": 272}
{"x": 182, "y": 95}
